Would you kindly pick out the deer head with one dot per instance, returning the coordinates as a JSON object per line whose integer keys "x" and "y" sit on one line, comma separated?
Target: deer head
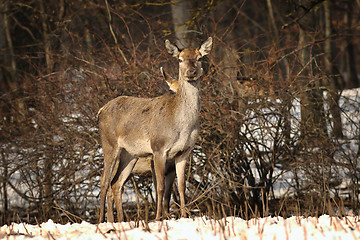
{"x": 189, "y": 59}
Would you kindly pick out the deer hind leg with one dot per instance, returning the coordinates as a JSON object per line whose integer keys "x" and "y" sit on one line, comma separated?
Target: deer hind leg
{"x": 126, "y": 165}
{"x": 154, "y": 180}
{"x": 110, "y": 195}
{"x": 169, "y": 180}
{"x": 110, "y": 206}
{"x": 180, "y": 163}
{"x": 110, "y": 156}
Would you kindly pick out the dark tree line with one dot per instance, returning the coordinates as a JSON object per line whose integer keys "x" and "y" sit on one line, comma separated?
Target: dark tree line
{"x": 277, "y": 133}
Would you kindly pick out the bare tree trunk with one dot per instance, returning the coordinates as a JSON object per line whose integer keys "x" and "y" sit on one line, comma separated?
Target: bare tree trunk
{"x": 227, "y": 53}
{"x": 284, "y": 72}
{"x": 182, "y": 14}
{"x": 45, "y": 34}
{"x": 352, "y": 77}
{"x": 313, "y": 124}
{"x": 48, "y": 162}
{"x": 10, "y": 59}
{"x": 8, "y": 81}
{"x": 283, "y": 64}
{"x": 331, "y": 81}
{"x": 4, "y": 219}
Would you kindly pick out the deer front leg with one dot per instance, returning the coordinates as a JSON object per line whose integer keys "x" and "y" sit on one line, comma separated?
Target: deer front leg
{"x": 159, "y": 167}
{"x": 180, "y": 163}
{"x": 169, "y": 180}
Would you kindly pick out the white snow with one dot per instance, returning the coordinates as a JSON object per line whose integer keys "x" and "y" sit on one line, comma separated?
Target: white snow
{"x": 324, "y": 227}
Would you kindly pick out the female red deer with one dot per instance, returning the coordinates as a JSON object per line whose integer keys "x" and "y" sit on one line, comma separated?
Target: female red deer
{"x": 165, "y": 127}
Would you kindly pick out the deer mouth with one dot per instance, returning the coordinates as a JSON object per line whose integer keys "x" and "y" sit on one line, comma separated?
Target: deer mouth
{"x": 192, "y": 79}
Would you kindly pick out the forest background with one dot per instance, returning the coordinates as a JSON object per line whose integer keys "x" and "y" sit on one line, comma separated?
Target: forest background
{"x": 278, "y": 136}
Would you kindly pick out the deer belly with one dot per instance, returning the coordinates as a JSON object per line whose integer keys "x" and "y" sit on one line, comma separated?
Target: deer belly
{"x": 136, "y": 147}
{"x": 142, "y": 166}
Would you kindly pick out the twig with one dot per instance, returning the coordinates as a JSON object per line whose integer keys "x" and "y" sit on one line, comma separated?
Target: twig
{"x": 306, "y": 11}
{"x": 67, "y": 213}
{"x": 98, "y": 229}
{"x": 123, "y": 230}
{"x": 23, "y": 225}
{"x": 113, "y": 34}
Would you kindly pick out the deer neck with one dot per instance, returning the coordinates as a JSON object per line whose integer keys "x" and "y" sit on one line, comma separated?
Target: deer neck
{"x": 188, "y": 101}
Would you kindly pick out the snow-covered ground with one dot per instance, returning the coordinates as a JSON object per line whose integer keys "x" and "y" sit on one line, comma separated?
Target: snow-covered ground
{"x": 324, "y": 227}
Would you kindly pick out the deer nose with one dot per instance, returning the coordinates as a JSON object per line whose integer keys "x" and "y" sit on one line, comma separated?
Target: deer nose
{"x": 191, "y": 72}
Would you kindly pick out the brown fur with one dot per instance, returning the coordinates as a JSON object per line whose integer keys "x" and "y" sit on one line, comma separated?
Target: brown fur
{"x": 163, "y": 129}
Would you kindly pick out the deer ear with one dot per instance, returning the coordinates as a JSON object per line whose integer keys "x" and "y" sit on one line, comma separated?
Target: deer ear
{"x": 166, "y": 76}
{"x": 172, "y": 49}
{"x": 206, "y": 47}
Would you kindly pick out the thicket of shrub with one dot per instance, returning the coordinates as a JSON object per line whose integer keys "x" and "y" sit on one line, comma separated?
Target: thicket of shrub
{"x": 270, "y": 142}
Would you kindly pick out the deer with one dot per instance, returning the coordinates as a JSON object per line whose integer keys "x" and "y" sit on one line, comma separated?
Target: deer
{"x": 144, "y": 166}
{"x": 163, "y": 129}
